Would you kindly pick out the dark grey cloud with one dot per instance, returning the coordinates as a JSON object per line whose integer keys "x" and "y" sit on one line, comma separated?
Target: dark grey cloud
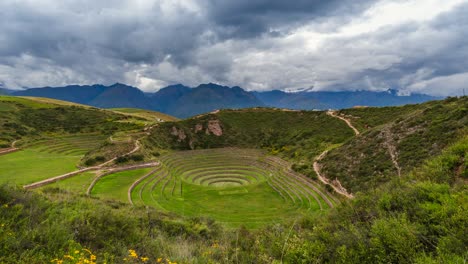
{"x": 251, "y": 18}
{"x": 110, "y": 32}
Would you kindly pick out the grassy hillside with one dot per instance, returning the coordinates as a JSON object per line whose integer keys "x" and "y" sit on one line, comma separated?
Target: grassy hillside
{"x": 28, "y": 117}
{"x": 400, "y": 139}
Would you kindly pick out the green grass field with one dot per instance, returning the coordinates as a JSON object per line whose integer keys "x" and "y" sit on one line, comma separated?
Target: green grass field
{"x": 31, "y": 165}
{"x": 45, "y": 158}
{"x": 115, "y": 186}
{"x": 233, "y": 186}
{"x": 77, "y": 184}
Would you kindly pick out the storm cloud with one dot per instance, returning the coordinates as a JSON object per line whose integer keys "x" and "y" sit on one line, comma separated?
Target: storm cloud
{"x": 413, "y": 45}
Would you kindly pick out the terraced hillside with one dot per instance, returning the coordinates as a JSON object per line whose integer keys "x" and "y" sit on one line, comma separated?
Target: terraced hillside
{"x": 46, "y": 157}
{"x": 43, "y": 138}
{"x": 233, "y": 186}
{"x": 70, "y": 144}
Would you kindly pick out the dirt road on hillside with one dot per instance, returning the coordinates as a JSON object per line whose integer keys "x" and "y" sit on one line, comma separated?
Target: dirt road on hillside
{"x": 335, "y": 184}
{"x": 332, "y": 113}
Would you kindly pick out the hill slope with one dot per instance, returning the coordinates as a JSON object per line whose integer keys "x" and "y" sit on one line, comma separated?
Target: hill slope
{"x": 275, "y": 129}
{"x": 30, "y": 117}
{"x": 400, "y": 140}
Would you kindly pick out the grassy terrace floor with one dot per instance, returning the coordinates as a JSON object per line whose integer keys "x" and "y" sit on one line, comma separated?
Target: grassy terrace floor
{"x": 46, "y": 158}
{"x": 30, "y": 165}
{"x": 233, "y": 186}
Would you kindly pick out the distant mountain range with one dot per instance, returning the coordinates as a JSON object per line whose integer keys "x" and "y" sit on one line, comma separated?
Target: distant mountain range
{"x": 182, "y": 101}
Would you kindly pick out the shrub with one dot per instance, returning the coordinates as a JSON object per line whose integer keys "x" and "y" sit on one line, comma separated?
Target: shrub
{"x": 137, "y": 157}
{"x": 90, "y": 162}
{"x": 121, "y": 159}
{"x": 99, "y": 158}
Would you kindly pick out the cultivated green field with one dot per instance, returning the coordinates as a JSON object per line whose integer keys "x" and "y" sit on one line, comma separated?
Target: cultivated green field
{"x": 30, "y": 165}
{"x": 115, "y": 186}
{"x": 233, "y": 186}
{"x": 45, "y": 158}
{"x": 77, "y": 184}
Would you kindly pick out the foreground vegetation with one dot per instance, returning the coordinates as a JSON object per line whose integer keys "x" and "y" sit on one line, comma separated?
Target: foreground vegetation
{"x": 418, "y": 218}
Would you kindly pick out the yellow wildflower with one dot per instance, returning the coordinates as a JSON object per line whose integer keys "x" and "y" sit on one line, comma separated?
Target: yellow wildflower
{"x": 69, "y": 257}
{"x": 159, "y": 260}
{"x": 132, "y": 253}
{"x": 144, "y": 259}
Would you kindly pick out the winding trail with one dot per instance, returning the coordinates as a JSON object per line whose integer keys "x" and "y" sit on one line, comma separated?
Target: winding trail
{"x": 392, "y": 150}
{"x": 332, "y": 113}
{"x": 335, "y": 184}
{"x": 58, "y": 178}
{"x": 135, "y": 149}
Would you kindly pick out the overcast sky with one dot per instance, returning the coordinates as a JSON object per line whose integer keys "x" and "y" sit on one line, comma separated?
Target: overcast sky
{"x": 410, "y": 45}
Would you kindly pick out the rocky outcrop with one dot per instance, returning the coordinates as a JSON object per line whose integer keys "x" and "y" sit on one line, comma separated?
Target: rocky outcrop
{"x": 214, "y": 127}
{"x": 179, "y": 133}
